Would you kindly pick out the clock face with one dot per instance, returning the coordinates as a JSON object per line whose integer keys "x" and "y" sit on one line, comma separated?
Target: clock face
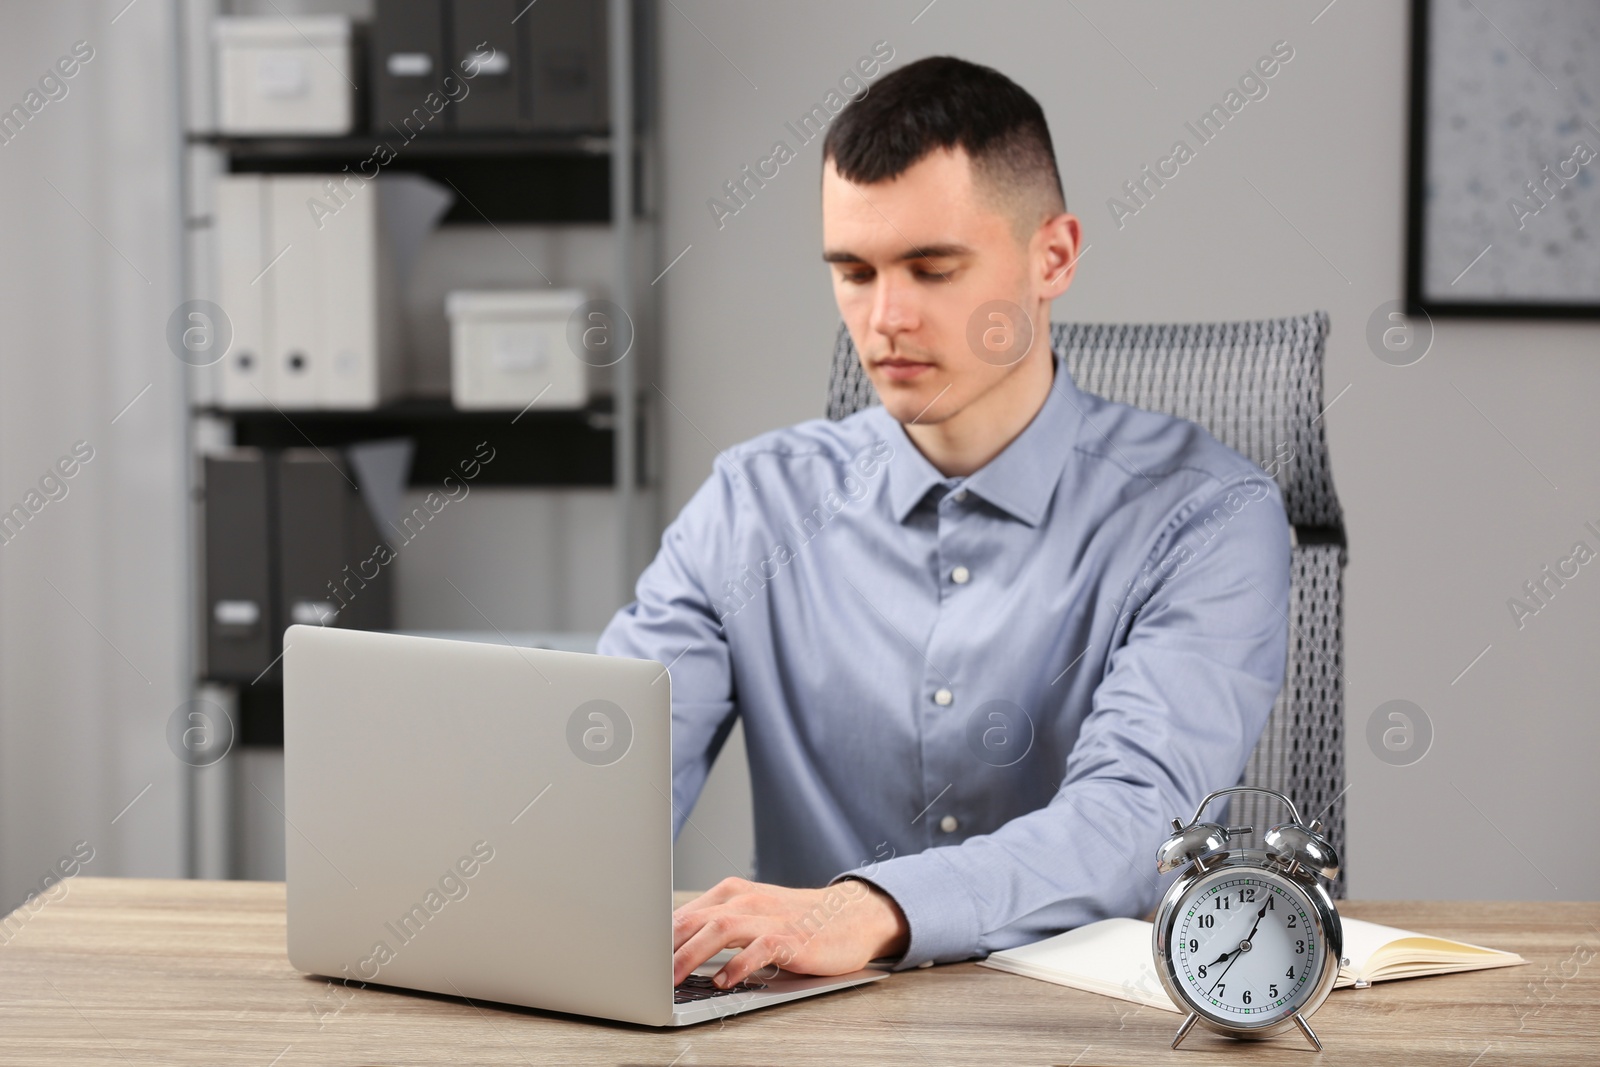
{"x": 1245, "y": 949}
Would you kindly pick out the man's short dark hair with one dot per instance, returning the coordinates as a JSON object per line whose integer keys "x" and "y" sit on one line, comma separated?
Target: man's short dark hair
{"x": 946, "y": 103}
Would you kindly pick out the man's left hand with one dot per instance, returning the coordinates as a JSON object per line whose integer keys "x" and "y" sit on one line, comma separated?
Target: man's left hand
{"x": 832, "y": 930}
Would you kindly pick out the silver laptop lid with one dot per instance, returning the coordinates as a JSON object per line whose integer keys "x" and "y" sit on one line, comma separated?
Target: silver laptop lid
{"x": 480, "y": 820}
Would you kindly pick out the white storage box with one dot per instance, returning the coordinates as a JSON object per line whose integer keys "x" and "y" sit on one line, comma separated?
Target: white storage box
{"x": 508, "y": 347}
{"x": 280, "y": 75}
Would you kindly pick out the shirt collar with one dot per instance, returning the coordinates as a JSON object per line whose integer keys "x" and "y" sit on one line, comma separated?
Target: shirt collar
{"x": 1020, "y": 480}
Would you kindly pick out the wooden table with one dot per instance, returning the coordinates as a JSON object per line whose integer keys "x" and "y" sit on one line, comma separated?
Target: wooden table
{"x": 126, "y": 971}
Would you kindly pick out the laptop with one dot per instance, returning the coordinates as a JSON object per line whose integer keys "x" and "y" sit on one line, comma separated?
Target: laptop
{"x": 491, "y": 822}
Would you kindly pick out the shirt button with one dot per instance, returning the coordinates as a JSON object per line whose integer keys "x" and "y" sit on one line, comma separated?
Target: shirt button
{"x": 948, "y": 824}
{"x": 959, "y": 495}
{"x": 943, "y": 698}
{"x": 925, "y": 963}
{"x": 960, "y": 575}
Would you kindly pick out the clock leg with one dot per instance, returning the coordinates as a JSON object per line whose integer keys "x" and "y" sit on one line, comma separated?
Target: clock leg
{"x": 1183, "y": 1031}
{"x": 1305, "y": 1028}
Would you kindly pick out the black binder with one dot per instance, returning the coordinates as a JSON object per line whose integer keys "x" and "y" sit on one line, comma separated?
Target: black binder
{"x": 545, "y": 71}
{"x": 484, "y": 45}
{"x": 288, "y": 538}
{"x": 409, "y": 60}
{"x": 240, "y": 625}
{"x": 330, "y": 572}
{"x": 565, "y": 85}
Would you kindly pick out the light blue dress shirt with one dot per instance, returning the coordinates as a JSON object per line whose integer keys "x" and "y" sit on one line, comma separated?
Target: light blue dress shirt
{"x": 988, "y": 696}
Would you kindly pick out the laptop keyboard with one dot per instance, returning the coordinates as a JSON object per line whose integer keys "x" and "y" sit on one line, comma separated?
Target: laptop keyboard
{"x": 699, "y": 987}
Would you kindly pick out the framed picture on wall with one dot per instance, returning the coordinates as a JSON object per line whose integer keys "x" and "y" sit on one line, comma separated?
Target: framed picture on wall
{"x": 1504, "y": 184}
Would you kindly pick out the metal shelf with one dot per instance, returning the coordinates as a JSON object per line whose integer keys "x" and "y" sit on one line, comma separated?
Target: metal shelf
{"x": 431, "y": 146}
{"x": 260, "y": 708}
{"x": 536, "y": 448}
{"x": 507, "y": 178}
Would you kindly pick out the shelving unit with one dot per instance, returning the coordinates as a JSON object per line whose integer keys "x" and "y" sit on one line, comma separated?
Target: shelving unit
{"x": 499, "y": 180}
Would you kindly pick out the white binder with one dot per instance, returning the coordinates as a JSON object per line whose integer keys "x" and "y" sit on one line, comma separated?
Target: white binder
{"x": 306, "y": 278}
{"x": 359, "y": 362}
{"x": 243, "y": 373}
{"x": 297, "y": 310}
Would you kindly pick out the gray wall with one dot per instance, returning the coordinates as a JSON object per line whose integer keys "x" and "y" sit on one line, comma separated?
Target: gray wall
{"x": 1298, "y": 204}
{"x": 92, "y": 592}
{"x": 1443, "y": 466}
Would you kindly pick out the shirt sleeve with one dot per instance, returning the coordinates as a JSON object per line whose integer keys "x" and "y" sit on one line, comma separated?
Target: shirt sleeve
{"x": 673, "y": 620}
{"x": 1183, "y": 702}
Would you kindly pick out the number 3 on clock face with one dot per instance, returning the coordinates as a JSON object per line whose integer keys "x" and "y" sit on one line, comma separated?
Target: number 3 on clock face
{"x": 1244, "y": 948}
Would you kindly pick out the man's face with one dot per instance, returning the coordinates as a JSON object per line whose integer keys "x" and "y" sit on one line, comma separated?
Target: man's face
{"x": 914, "y": 260}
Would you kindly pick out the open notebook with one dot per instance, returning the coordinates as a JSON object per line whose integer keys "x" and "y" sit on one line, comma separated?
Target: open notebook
{"x": 1113, "y": 957}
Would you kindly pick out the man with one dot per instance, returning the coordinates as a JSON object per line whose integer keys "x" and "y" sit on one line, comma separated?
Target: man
{"x": 985, "y": 639}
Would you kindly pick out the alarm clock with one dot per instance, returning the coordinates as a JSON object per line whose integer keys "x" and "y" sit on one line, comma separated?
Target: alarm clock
{"x": 1247, "y": 940}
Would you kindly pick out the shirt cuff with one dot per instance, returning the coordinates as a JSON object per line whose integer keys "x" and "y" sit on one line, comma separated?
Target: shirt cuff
{"x": 939, "y": 911}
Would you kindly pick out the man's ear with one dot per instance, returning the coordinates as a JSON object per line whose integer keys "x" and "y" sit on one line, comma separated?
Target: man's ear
{"x": 1058, "y": 245}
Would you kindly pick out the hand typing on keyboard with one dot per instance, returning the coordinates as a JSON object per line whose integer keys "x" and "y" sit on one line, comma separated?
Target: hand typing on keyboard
{"x": 700, "y": 987}
{"x": 833, "y": 930}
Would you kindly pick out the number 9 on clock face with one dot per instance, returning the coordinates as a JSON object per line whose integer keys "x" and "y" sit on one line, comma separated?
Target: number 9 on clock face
{"x": 1246, "y": 950}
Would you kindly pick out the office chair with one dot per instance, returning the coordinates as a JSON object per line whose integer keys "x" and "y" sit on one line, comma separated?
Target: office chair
{"x": 1257, "y": 387}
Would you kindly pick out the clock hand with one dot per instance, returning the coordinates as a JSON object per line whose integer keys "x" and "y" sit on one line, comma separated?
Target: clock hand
{"x": 1236, "y": 953}
{"x": 1262, "y": 914}
{"x": 1230, "y": 927}
{"x": 1225, "y": 929}
{"x": 1222, "y": 936}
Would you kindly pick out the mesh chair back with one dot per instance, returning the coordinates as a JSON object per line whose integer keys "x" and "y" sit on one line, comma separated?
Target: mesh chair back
{"x": 1257, "y": 387}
